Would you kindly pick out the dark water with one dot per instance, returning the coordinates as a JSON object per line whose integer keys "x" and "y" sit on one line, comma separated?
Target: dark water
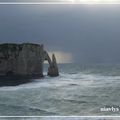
{"x": 79, "y": 90}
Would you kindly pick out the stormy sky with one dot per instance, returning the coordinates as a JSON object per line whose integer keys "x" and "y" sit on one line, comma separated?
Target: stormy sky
{"x": 76, "y": 33}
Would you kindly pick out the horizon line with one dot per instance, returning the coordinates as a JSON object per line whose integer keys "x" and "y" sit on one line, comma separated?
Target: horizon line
{"x": 59, "y": 3}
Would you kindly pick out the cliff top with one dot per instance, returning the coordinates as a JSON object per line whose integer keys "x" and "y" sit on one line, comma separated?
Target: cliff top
{"x": 17, "y": 44}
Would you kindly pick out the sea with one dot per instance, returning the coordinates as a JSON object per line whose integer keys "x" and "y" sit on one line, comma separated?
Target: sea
{"x": 60, "y": 118}
{"x": 79, "y": 90}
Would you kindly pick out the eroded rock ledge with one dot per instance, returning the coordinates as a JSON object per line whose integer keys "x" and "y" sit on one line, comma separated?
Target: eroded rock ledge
{"x": 25, "y": 59}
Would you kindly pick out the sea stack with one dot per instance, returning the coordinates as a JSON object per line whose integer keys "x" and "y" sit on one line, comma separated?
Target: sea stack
{"x": 53, "y": 69}
{"x": 25, "y": 59}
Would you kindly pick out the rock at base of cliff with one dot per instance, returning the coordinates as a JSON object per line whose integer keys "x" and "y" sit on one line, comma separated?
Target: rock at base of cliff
{"x": 53, "y": 71}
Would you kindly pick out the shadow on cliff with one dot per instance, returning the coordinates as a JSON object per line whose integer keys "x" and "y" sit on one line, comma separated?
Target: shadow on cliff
{"x": 14, "y": 81}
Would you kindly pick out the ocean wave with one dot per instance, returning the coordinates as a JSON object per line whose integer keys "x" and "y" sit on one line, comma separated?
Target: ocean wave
{"x": 61, "y": 118}
{"x": 24, "y": 109}
{"x": 71, "y": 93}
{"x": 78, "y": 79}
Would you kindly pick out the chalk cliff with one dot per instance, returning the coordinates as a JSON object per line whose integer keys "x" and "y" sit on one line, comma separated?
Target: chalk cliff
{"x": 25, "y": 59}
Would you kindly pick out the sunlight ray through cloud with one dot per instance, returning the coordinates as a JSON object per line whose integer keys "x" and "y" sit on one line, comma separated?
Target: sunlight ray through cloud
{"x": 62, "y": 57}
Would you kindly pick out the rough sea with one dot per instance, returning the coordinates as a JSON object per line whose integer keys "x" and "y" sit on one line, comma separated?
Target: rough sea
{"x": 80, "y": 90}
{"x": 61, "y": 118}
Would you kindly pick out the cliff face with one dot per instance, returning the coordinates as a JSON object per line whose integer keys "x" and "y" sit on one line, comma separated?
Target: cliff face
{"x": 22, "y": 59}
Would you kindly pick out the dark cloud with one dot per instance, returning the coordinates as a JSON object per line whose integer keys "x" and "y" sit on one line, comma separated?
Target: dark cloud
{"x": 90, "y": 32}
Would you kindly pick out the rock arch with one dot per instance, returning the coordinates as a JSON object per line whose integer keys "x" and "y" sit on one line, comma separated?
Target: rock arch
{"x": 53, "y": 68}
{"x": 25, "y": 59}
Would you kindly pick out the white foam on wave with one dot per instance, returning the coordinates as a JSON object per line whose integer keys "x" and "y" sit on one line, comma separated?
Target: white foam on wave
{"x": 81, "y": 79}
